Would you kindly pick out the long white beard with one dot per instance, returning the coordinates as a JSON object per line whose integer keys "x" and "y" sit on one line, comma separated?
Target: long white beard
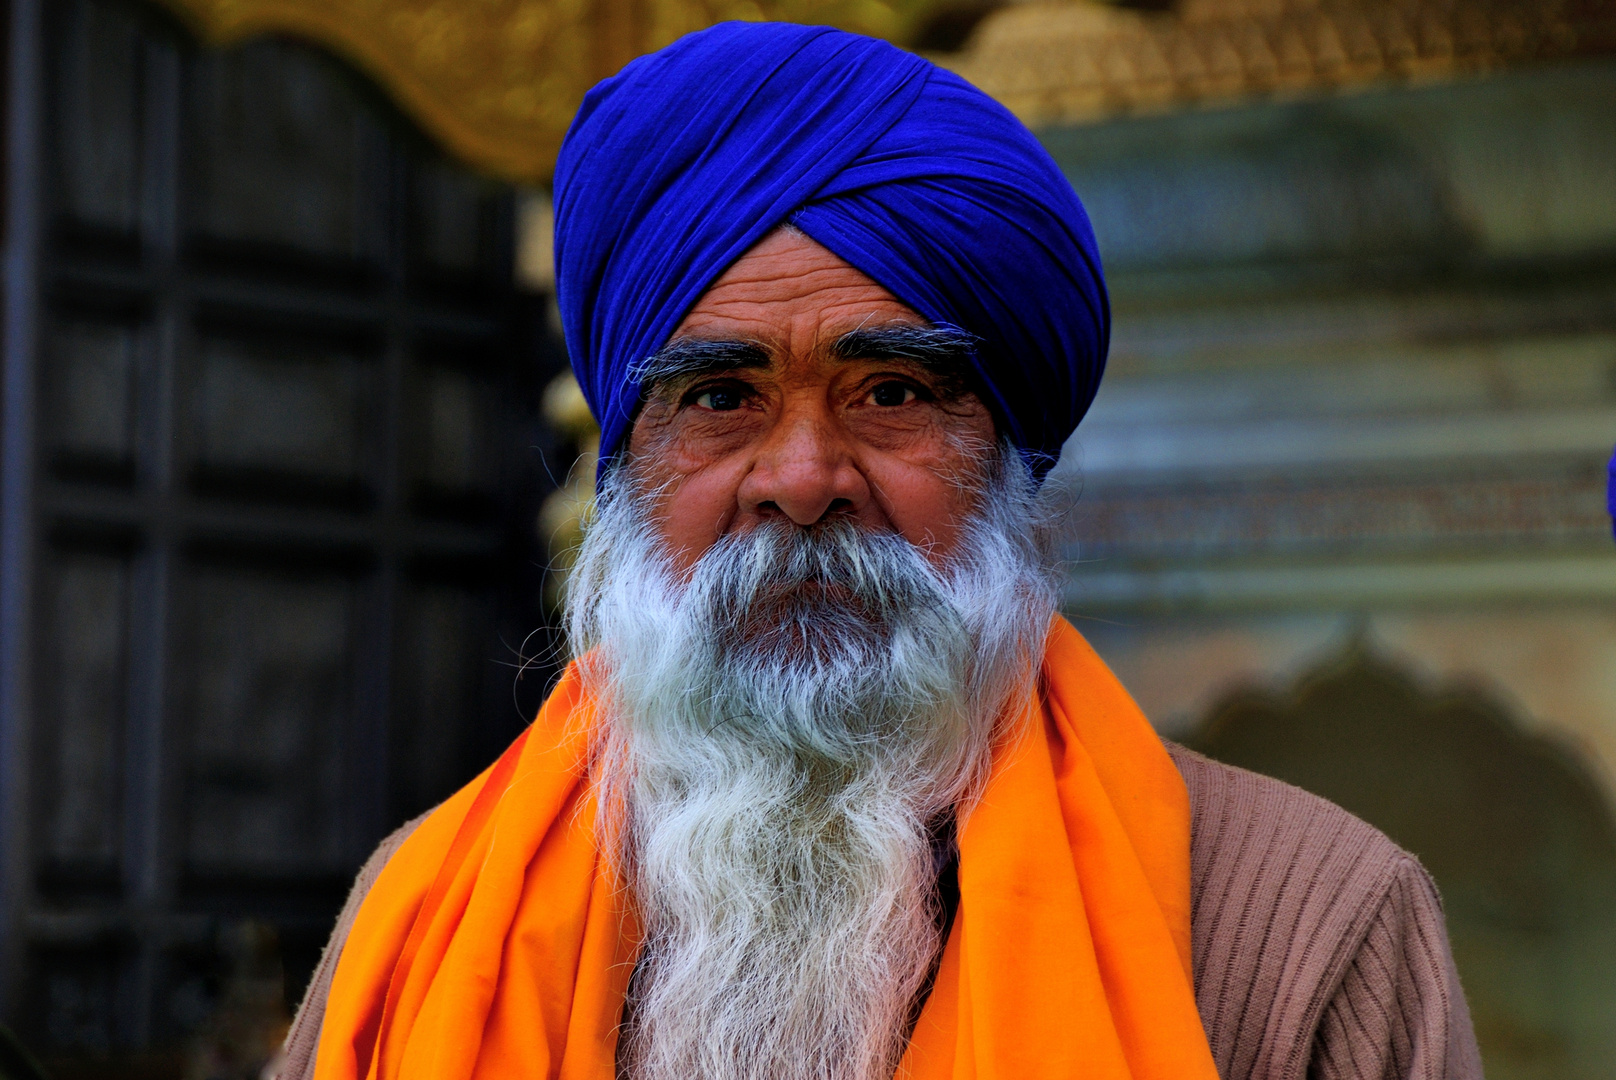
{"x": 782, "y": 731}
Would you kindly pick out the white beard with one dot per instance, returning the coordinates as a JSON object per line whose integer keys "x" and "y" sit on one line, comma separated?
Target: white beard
{"x": 780, "y": 735}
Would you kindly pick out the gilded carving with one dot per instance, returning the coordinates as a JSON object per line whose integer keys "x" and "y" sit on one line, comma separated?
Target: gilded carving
{"x": 498, "y": 81}
{"x": 1057, "y": 62}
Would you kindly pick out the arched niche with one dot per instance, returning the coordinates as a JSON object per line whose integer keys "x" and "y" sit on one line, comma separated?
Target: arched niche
{"x": 1516, "y": 830}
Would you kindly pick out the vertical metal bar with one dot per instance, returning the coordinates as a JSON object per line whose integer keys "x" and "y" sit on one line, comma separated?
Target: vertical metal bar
{"x": 24, "y": 91}
{"x": 147, "y": 855}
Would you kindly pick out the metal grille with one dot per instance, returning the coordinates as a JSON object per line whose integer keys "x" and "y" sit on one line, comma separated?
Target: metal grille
{"x": 269, "y": 517}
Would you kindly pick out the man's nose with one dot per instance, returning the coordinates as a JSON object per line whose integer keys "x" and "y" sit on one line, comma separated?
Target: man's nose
{"x": 805, "y": 469}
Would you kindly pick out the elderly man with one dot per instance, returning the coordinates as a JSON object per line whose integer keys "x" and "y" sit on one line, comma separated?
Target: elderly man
{"x": 829, "y": 790}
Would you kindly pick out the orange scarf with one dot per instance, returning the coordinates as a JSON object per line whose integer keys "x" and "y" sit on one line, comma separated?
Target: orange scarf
{"x": 495, "y": 946}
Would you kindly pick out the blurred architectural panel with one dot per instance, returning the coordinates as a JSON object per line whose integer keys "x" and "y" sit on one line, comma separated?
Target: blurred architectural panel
{"x": 1054, "y": 62}
{"x": 1383, "y": 334}
{"x": 1340, "y": 510}
{"x": 271, "y": 684}
{"x": 272, "y": 458}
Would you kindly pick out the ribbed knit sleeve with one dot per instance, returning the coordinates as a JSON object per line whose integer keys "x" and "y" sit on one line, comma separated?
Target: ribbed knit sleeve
{"x": 1398, "y": 1012}
{"x": 1319, "y": 946}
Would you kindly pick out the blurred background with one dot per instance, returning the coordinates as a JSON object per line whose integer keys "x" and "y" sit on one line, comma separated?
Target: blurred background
{"x": 290, "y": 464}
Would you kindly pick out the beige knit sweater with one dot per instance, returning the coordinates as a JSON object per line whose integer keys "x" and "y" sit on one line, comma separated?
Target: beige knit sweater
{"x": 1319, "y": 947}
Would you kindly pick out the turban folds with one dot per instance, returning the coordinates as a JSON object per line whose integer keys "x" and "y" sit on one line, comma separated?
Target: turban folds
{"x": 688, "y": 157}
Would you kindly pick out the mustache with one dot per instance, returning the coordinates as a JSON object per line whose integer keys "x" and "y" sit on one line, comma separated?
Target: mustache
{"x": 778, "y": 582}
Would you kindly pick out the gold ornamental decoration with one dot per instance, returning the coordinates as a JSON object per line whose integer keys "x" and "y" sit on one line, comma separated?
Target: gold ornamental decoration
{"x": 1058, "y": 62}
{"x": 498, "y": 81}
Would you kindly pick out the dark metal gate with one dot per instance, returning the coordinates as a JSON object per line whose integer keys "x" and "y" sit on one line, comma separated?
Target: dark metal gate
{"x": 271, "y": 460}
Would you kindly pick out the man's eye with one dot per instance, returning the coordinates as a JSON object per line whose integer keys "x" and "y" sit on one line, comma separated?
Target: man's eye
{"x": 892, "y": 393}
{"x": 719, "y": 399}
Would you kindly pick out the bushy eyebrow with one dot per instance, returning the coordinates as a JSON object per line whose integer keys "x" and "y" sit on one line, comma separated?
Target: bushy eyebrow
{"x": 944, "y": 351}
{"x": 692, "y": 358}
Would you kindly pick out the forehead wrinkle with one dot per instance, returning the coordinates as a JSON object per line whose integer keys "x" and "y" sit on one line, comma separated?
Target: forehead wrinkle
{"x": 779, "y": 275}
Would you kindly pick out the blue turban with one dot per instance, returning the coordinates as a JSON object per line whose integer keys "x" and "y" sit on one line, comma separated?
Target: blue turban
{"x": 680, "y": 163}
{"x": 1610, "y": 493}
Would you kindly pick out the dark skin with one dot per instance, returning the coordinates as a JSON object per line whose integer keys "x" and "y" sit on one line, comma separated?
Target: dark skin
{"x": 796, "y": 428}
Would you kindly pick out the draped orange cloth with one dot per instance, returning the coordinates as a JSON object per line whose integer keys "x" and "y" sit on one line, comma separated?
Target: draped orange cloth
{"x": 497, "y": 944}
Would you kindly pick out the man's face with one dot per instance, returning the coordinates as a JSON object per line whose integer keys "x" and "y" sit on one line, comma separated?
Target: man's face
{"x": 859, "y": 586}
{"x": 788, "y": 394}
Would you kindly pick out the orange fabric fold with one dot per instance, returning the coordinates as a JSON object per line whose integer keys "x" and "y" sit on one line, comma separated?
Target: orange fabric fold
{"x": 496, "y": 943}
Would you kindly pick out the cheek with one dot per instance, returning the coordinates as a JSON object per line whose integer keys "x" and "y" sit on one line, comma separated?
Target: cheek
{"x": 695, "y": 467}
{"x": 693, "y": 511}
{"x": 928, "y": 488}
{"x": 926, "y": 507}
